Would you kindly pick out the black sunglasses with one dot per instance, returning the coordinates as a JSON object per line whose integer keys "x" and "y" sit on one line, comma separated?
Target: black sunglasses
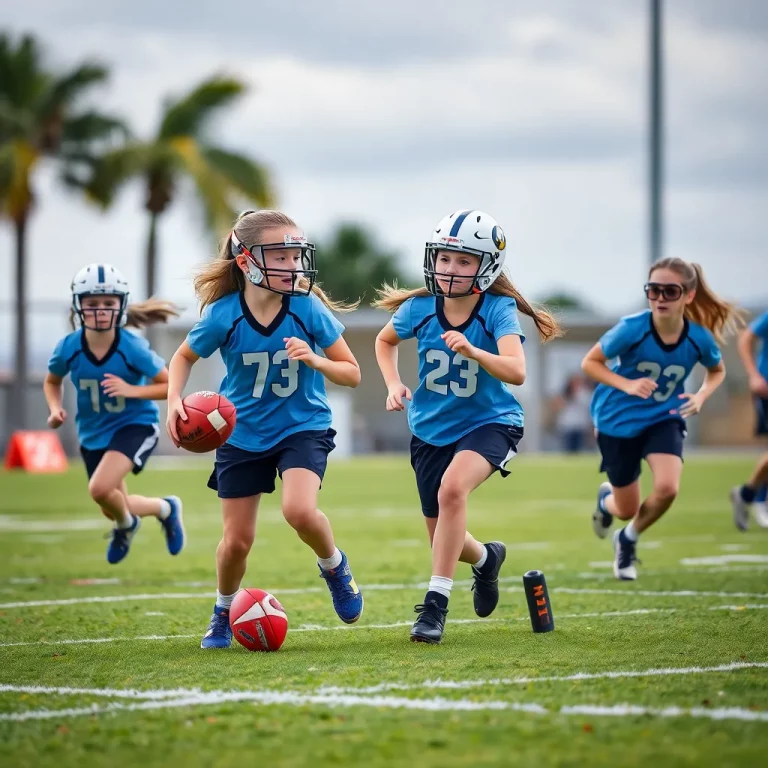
{"x": 669, "y": 291}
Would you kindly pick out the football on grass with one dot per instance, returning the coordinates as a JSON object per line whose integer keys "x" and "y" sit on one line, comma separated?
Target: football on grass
{"x": 258, "y": 621}
{"x": 210, "y": 421}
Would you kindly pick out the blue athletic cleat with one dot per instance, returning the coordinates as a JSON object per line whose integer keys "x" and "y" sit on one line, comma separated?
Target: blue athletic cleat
{"x": 625, "y": 557}
{"x": 602, "y": 521}
{"x": 120, "y": 541}
{"x": 347, "y": 599}
{"x": 173, "y": 526}
{"x": 219, "y": 634}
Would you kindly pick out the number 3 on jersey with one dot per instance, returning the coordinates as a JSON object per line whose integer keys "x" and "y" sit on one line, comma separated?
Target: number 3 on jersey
{"x": 467, "y": 371}
{"x": 289, "y": 372}
{"x": 675, "y": 373}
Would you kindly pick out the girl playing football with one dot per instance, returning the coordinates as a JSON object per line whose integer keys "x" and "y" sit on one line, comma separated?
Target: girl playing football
{"x": 116, "y": 376}
{"x": 269, "y": 321}
{"x": 466, "y": 423}
{"x": 639, "y": 407}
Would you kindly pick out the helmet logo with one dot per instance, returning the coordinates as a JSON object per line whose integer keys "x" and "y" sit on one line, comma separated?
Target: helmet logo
{"x": 499, "y": 240}
{"x": 452, "y": 242}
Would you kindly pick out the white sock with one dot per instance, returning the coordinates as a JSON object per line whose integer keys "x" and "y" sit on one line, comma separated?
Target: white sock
{"x": 481, "y": 562}
{"x": 127, "y": 521}
{"x": 630, "y": 532}
{"x": 441, "y": 585}
{"x": 165, "y": 509}
{"x": 329, "y": 563}
{"x": 224, "y": 601}
{"x": 601, "y": 504}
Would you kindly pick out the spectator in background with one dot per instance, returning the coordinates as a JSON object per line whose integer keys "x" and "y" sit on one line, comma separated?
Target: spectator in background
{"x": 574, "y": 421}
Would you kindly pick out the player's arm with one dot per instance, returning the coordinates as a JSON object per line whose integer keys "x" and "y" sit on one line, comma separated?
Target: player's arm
{"x": 714, "y": 377}
{"x": 386, "y": 356}
{"x": 594, "y": 365}
{"x": 53, "y": 390}
{"x": 508, "y": 366}
{"x": 178, "y": 374}
{"x": 338, "y": 365}
{"x": 746, "y": 347}
{"x": 114, "y": 386}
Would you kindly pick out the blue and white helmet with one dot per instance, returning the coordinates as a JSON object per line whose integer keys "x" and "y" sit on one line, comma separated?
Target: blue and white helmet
{"x": 472, "y": 232}
{"x": 100, "y": 280}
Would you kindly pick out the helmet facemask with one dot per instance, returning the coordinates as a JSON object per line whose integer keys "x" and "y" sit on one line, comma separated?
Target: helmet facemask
{"x": 290, "y": 282}
{"x": 466, "y": 285}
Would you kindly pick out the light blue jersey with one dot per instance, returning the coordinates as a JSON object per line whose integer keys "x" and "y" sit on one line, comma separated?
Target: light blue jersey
{"x": 642, "y": 354}
{"x": 455, "y": 395}
{"x": 760, "y": 328}
{"x": 274, "y": 396}
{"x": 99, "y": 416}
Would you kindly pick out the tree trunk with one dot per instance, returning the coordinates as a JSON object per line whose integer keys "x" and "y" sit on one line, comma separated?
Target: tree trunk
{"x": 17, "y": 414}
{"x": 150, "y": 269}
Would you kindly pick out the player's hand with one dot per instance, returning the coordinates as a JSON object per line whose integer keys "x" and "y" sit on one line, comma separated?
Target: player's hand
{"x": 57, "y": 418}
{"x": 395, "y": 394}
{"x": 175, "y": 411}
{"x": 642, "y": 388}
{"x": 457, "y": 342}
{"x": 695, "y": 402}
{"x": 298, "y": 349}
{"x": 114, "y": 386}
{"x": 758, "y": 386}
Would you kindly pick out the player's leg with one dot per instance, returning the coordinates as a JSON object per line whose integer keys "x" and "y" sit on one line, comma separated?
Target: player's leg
{"x": 742, "y": 497}
{"x": 105, "y": 488}
{"x": 620, "y": 496}
{"x": 168, "y": 511}
{"x": 302, "y": 460}
{"x": 466, "y": 471}
{"x": 667, "y": 470}
{"x": 238, "y": 532}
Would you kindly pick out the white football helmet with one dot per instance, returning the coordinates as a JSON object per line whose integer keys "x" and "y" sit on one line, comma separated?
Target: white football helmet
{"x": 100, "y": 280}
{"x": 472, "y": 232}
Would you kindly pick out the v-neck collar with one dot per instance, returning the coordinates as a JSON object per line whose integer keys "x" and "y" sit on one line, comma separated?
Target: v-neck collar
{"x": 669, "y": 347}
{"x": 91, "y": 357}
{"x": 264, "y": 330}
{"x": 443, "y": 320}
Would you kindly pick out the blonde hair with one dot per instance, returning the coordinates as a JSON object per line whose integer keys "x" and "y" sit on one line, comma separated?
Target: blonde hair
{"x": 391, "y": 298}
{"x": 223, "y": 276}
{"x": 144, "y": 313}
{"x": 707, "y": 308}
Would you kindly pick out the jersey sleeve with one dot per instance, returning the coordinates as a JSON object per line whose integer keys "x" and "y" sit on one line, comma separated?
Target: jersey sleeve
{"x": 144, "y": 358}
{"x": 618, "y": 339}
{"x": 402, "y": 321}
{"x": 759, "y": 326}
{"x": 208, "y": 334}
{"x": 505, "y": 320}
{"x": 710, "y": 352}
{"x": 58, "y": 362}
{"x": 326, "y": 328}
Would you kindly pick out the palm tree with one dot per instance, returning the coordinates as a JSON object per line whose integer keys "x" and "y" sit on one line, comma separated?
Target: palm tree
{"x": 352, "y": 265}
{"x": 39, "y": 117}
{"x": 180, "y": 151}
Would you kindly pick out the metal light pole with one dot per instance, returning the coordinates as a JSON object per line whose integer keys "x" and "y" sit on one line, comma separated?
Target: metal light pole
{"x": 656, "y": 134}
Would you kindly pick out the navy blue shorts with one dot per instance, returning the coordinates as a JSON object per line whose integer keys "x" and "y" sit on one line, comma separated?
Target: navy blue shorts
{"x": 238, "y": 473}
{"x": 761, "y": 409}
{"x": 497, "y": 443}
{"x": 622, "y": 456}
{"x": 136, "y": 441}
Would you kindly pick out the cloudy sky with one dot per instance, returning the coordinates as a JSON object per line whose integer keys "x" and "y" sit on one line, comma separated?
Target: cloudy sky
{"x": 394, "y": 114}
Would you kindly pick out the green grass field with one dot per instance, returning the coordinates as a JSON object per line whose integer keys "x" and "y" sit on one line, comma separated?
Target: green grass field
{"x": 100, "y": 665}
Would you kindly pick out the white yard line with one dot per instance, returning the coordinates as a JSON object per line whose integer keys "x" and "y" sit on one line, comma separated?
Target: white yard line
{"x": 647, "y": 593}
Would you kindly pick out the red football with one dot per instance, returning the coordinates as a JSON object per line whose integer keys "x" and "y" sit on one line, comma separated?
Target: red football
{"x": 210, "y": 421}
{"x": 258, "y": 621}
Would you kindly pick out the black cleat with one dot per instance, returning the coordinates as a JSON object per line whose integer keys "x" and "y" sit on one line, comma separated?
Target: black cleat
{"x": 486, "y": 586}
{"x": 430, "y": 625}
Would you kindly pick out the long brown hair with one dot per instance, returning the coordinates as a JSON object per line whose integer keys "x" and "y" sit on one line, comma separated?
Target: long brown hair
{"x": 223, "y": 276}
{"x": 144, "y": 313}
{"x": 390, "y": 297}
{"x": 707, "y": 308}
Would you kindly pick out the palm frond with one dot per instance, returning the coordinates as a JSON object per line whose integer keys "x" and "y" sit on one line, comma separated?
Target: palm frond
{"x": 248, "y": 177}
{"x": 189, "y": 115}
{"x": 93, "y": 126}
{"x": 64, "y": 91}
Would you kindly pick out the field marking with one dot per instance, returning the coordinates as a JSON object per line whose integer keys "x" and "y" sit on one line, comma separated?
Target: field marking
{"x": 724, "y": 559}
{"x": 648, "y": 593}
{"x": 367, "y": 697}
{"x": 394, "y": 625}
{"x": 602, "y": 576}
{"x": 611, "y": 675}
